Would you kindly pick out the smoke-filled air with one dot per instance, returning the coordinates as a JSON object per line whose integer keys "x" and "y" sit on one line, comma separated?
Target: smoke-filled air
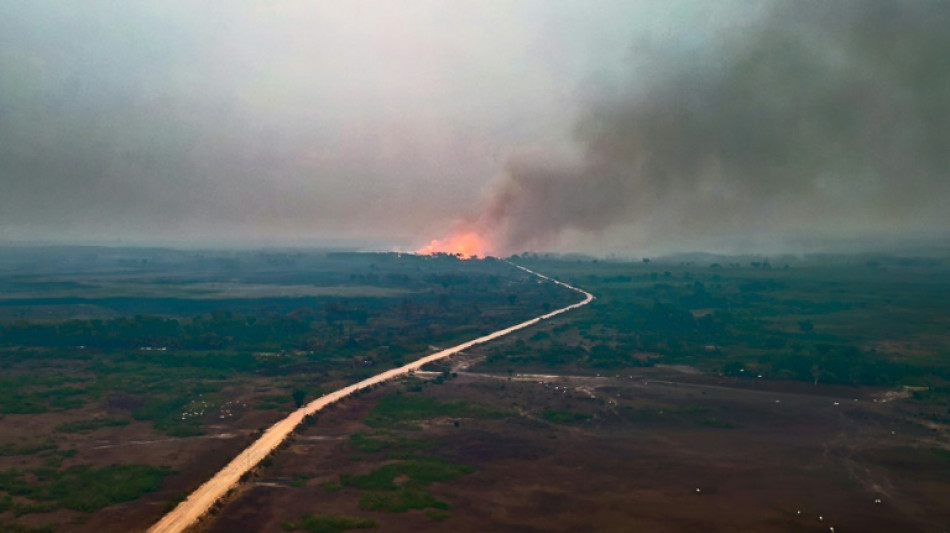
{"x": 823, "y": 120}
{"x": 478, "y": 128}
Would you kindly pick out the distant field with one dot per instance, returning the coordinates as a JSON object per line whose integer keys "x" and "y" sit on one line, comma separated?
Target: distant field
{"x": 39, "y": 294}
{"x": 848, "y": 319}
{"x": 109, "y": 301}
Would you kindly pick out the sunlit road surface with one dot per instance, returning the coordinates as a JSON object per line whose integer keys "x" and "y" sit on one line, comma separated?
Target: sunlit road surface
{"x": 200, "y": 501}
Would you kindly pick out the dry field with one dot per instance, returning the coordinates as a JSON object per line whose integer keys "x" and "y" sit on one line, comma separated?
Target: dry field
{"x": 192, "y": 459}
{"x": 657, "y": 451}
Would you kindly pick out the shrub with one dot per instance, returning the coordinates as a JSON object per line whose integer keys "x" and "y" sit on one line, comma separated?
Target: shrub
{"x": 565, "y": 417}
{"x": 313, "y": 523}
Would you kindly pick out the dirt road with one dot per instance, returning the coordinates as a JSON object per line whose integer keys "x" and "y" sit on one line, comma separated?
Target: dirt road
{"x": 200, "y": 501}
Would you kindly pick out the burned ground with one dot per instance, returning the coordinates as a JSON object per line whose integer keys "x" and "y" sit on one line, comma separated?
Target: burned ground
{"x": 638, "y": 452}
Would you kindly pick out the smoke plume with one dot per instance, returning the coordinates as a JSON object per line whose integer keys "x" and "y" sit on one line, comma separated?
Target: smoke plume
{"x": 817, "y": 120}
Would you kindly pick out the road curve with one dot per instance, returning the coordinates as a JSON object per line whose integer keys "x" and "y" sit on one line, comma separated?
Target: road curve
{"x": 200, "y": 501}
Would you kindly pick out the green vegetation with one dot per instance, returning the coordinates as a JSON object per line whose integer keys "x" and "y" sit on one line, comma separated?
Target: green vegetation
{"x": 315, "y": 523}
{"x": 275, "y": 401}
{"x": 685, "y": 409}
{"x": 170, "y": 414}
{"x": 401, "y": 409}
{"x": 824, "y": 319}
{"x": 565, "y": 417}
{"x": 13, "y": 527}
{"x": 33, "y": 394}
{"x": 165, "y": 359}
{"x": 368, "y": 445}
{"x": 20, "y": 509}
{"x": 943, "y": 453}
{"x": 85, "y": 426}
{"x": 331, "y": 487}
{"x": 418, "y": 473}
{"x": 26, "y": 448}
{"x": 400, "y": 501}
{"x": 299, "y": 395}
{"x": 400, "y": 487}
{"x": 299, "y": 480}
{"x": 173, "y": 501}
{"x": 719, "y": 423}
{"x": 395, "y": 446}
{"x": 394, "y": 305}
{"x": 437, "y": 516}
{"x": 82, "y": 487}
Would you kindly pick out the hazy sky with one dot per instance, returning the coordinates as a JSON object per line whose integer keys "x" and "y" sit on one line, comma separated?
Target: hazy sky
{"x": 590, "y": 125}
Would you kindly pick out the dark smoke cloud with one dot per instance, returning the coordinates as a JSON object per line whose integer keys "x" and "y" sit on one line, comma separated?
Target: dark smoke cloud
{"x": 818, "y": 120}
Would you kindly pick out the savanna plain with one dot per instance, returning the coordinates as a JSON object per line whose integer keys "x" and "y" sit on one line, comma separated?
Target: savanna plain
{"x": 696, "y": 393}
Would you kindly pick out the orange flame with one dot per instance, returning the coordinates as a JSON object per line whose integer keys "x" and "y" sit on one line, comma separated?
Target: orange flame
{"x": 465, "y": 245}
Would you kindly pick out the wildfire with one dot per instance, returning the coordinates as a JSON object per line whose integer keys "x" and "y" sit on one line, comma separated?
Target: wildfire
{"x": 464, "y": 244}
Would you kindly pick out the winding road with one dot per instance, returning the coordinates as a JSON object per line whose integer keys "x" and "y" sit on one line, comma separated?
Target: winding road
{"x": 204, "y": 497}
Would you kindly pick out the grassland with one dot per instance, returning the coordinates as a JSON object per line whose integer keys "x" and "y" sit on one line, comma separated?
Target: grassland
{"x": 148, "y": 369}
{"x": 844, "y": 320}
{"x": 687, "y": 391}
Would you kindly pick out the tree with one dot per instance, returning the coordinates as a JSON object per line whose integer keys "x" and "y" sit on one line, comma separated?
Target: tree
{"x": 299, "y": 395}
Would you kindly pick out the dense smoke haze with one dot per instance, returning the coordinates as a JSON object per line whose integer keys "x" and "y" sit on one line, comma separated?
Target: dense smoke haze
{"x": 824, "y": 120}
{"x": 612, "y": 127}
